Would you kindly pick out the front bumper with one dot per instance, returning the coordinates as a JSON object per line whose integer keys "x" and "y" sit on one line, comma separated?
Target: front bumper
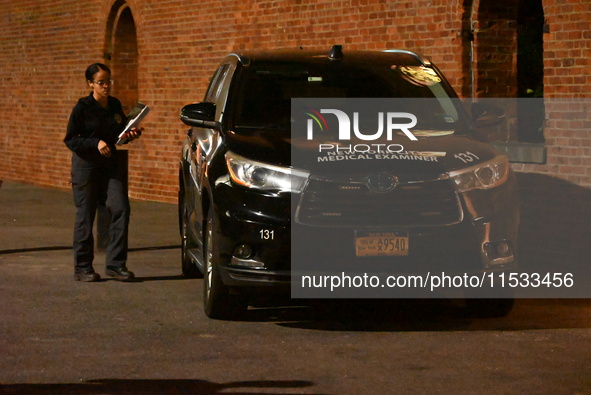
{"x": 484, "y": 239}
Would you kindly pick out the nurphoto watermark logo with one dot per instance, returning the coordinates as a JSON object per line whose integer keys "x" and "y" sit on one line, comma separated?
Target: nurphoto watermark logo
{"x": 346, "y": 126}
{"x": 344, "y": 129}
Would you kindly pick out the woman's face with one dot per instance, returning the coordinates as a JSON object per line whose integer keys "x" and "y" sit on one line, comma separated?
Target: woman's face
{"x": 101, "y": 84}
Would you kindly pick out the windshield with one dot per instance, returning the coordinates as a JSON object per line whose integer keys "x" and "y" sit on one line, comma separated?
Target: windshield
{"x": 265, "y": 94}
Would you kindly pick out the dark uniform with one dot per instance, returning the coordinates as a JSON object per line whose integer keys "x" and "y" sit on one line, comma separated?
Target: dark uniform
{"x": 97, "y": 179}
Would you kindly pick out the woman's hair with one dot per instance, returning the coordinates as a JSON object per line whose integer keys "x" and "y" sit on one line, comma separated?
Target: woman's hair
{"x": 94, "y": 68}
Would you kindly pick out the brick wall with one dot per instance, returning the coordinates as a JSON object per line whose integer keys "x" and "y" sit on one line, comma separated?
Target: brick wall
{"x": 46, "y": 47}
{"x": 43, "y": 45}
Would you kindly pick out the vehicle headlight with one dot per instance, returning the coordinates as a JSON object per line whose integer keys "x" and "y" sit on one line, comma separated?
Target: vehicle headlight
{"x": 258, "y": 175}
{"x": 485, "y": 175}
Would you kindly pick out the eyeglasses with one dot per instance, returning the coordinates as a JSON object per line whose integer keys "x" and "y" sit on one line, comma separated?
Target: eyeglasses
{"x": 103, "y": 82}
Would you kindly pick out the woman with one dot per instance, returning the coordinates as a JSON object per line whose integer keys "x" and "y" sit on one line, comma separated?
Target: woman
{"x": 99, "y": 175}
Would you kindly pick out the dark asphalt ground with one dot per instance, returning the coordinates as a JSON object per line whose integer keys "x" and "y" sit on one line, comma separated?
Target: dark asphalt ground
{"x": 58, "y": 336}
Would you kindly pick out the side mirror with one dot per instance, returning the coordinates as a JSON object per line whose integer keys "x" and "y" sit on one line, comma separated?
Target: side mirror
{"x": 485, "y": 115}
{"x": 201, "y": 115}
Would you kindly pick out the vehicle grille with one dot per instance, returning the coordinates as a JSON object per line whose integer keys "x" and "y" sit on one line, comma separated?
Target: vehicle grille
{"x": 326, "y": 203}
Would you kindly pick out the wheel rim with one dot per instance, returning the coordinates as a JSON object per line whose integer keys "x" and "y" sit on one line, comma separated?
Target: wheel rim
{"x": 208, "y": 259}
{"x": 184, "y": 240}
{"x": 184, "y": 232}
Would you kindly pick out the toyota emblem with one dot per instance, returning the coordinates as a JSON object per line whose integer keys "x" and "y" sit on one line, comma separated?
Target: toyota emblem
{"x": 382, "y": 182}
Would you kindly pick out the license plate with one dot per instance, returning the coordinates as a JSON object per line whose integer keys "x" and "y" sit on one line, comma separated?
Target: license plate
{"x": 393, "y": 243}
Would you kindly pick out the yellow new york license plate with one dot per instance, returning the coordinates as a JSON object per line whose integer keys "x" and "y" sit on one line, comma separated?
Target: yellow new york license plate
{"x": 393, "y": 243}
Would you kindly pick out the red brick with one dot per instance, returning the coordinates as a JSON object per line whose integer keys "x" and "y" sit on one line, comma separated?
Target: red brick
{"x": 179, "y": 49}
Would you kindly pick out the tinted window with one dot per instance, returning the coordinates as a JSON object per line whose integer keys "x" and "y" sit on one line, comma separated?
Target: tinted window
{"x": 267, "y": 88}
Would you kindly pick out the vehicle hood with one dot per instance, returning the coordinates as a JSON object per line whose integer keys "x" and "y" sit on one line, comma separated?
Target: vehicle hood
{"x": 427, "y": 158}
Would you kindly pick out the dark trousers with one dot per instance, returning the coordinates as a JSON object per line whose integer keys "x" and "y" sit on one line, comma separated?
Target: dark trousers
{"x": 108, "y": 186}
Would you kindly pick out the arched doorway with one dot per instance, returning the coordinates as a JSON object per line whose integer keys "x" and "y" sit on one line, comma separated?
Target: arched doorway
{"x": 530, "y": 42}
{"x": 121, "y": 54}
{"x": 495, "y": 47}
{"x": 530, "y": 70}
{"x": 508, "y": 61}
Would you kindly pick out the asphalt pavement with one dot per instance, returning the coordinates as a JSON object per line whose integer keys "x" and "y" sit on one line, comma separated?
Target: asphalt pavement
{"x": 58, "y": 336}
{"x": 37, "y": 219}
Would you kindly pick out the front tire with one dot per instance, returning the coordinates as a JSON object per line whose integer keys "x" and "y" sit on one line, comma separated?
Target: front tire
{"x": 218, "y": 303}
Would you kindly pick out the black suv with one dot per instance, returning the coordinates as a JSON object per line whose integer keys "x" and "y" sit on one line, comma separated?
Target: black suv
{"x": 445, "y": 200}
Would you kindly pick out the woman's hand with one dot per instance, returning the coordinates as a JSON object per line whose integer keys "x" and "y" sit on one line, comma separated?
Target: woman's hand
{"x": 134, "y": 134}
{"x": 104, "y": 149}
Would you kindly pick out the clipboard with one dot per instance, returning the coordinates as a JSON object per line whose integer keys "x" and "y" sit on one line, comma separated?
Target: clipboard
{"x": 135, "y": 117}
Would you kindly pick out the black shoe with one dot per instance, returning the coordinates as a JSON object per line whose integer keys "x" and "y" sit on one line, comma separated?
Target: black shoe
{"x": 120, "y": 273}
{"x": 88, "y": 277}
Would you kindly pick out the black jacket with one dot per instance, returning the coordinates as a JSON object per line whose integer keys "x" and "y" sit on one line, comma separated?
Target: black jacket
{"x": 89, "y": 123}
